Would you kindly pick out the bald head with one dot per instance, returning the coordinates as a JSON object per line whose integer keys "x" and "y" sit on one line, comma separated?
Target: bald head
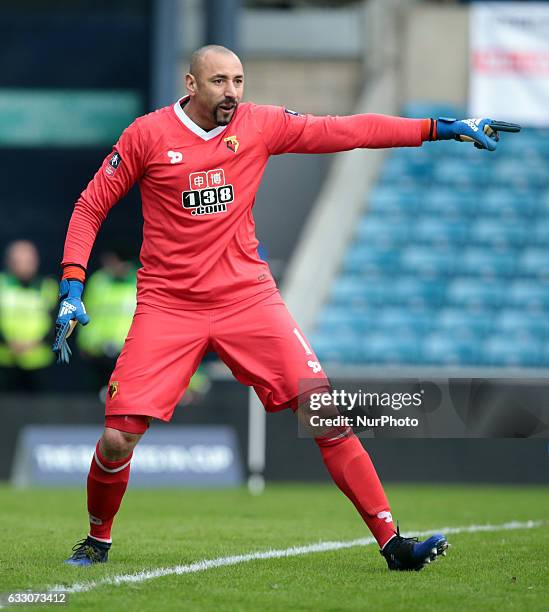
{"x": 215, "y": 83}
{"x": 201, "y": 56}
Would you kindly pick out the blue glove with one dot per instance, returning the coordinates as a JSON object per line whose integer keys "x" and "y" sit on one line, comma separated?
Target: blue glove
{"x": 482, "y": 132}
{"x": 71, "y": 311}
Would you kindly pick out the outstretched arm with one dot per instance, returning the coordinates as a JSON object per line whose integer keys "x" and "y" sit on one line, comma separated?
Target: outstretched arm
{"x": 285, "y": 131}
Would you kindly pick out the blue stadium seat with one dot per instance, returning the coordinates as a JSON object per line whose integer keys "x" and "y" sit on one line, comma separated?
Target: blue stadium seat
{"x": 440, "y": 231}
{"x": 544, "y": 357}
{"x": 499, "y": 233}
{"x": 448, "y": 202}
{"x": 506, "y": 203}
{"x": 526, "y": 202}
{"x": 336, "y": 320}
{"x": 523, "y": 147}
{"x": 476, "y": 294}
{"x": 519, "y": 322}
{"x": 356, "y": 292}
{"x": 511, "y": 351}
{"x": 534, "y": 262}
{"x": 541, "y": 232}
{"x": 543, "y": 203}
{"x": 528, "y": 294}
{"x": 418, "y": 293}
{"x": 409, "y": 170}
{"x": 347, "y": 291}
{"x": 482, "y": 262}
{"x": 460, "y": 173}
{"x": 378, "y": 231}
{"x": 367, "y": 260}
{"x": 456, "y": 322}
{"x": 389, "y": 200}
{"x": 389, "y": 349}
{"x": 405, "y": 320}
{"x": 445, "y": 349}
{"x": 428, "y": 262}
{"x": 341, "y": 320}
{"x": 341, "y": 349}
{"x": 388, "y": 291}
{"x": 527, "y": 176}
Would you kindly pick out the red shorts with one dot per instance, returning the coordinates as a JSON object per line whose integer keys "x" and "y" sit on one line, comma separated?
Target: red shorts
{"x": 257, "y": 338}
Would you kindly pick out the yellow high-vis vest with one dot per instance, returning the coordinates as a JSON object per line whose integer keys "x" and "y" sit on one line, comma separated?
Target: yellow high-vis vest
{"x": 26, "y": 318}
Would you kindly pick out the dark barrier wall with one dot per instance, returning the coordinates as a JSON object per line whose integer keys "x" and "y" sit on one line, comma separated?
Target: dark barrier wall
{"x": 290, "y": 458}
{"x": 51, "y": 52}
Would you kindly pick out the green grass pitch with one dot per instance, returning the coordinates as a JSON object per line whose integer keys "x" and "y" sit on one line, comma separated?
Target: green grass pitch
{"x": 500, "y": 570}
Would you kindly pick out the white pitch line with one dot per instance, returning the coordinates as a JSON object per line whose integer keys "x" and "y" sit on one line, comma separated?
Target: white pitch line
{"x": 207, "y": 564}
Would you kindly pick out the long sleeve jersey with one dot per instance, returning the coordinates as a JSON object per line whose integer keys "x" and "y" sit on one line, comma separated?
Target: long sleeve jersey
{"x": 198, "y": 190}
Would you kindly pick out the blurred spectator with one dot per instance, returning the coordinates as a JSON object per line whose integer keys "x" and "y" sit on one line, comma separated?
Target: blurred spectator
{"x": 110, "y": 302}
{"x": 27, "y": 303}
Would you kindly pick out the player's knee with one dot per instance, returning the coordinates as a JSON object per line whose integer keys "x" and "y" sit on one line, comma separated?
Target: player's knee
{"x": 117, "y": 444}
{"x": 319, "y": 418}
{"x": 316, "y": 412}
{"x": 312, "y": 398}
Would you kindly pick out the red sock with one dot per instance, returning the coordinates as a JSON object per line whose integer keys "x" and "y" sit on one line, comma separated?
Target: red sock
{"x": 107, "y": 482}
{"x": 353, "y": 472}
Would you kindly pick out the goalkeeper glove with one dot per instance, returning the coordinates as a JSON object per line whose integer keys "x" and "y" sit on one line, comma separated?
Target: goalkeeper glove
{"x": 71, "y": 312}
{"x": 482, "y": 132}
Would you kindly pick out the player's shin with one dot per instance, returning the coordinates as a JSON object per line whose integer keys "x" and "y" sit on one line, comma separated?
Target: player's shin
{"x": 354, "y": 473}
{"x": 107, "y": 482}
{"x": 347, "y": 462}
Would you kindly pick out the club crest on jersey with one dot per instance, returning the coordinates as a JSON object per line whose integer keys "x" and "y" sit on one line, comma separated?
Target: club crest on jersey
{"x": 208, "y": 194}
{"x": 232, "y": 143}
{"x": 113, "y": 388}
{"x": 114, "y": 163}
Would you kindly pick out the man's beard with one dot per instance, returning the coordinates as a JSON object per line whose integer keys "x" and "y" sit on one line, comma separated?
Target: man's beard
{"x": 223, "y": 117}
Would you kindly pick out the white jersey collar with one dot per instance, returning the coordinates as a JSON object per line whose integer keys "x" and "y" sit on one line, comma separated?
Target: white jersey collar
{"x": 191, "y": 125}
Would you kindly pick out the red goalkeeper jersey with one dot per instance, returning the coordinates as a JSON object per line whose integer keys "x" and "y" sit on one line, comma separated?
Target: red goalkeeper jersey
{"x": 198, "y": 189}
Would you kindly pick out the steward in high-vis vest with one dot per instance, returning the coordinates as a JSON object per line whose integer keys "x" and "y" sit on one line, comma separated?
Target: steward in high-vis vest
{"x": 27, "y": 303}
{"x": 110, "y": 302}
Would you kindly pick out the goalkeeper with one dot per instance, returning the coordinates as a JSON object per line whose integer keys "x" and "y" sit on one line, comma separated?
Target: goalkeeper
{"x": 203, "y": 286}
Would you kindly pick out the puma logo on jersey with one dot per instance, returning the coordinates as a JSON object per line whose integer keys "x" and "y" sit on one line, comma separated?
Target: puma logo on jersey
{"x": 175, "y": 157}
